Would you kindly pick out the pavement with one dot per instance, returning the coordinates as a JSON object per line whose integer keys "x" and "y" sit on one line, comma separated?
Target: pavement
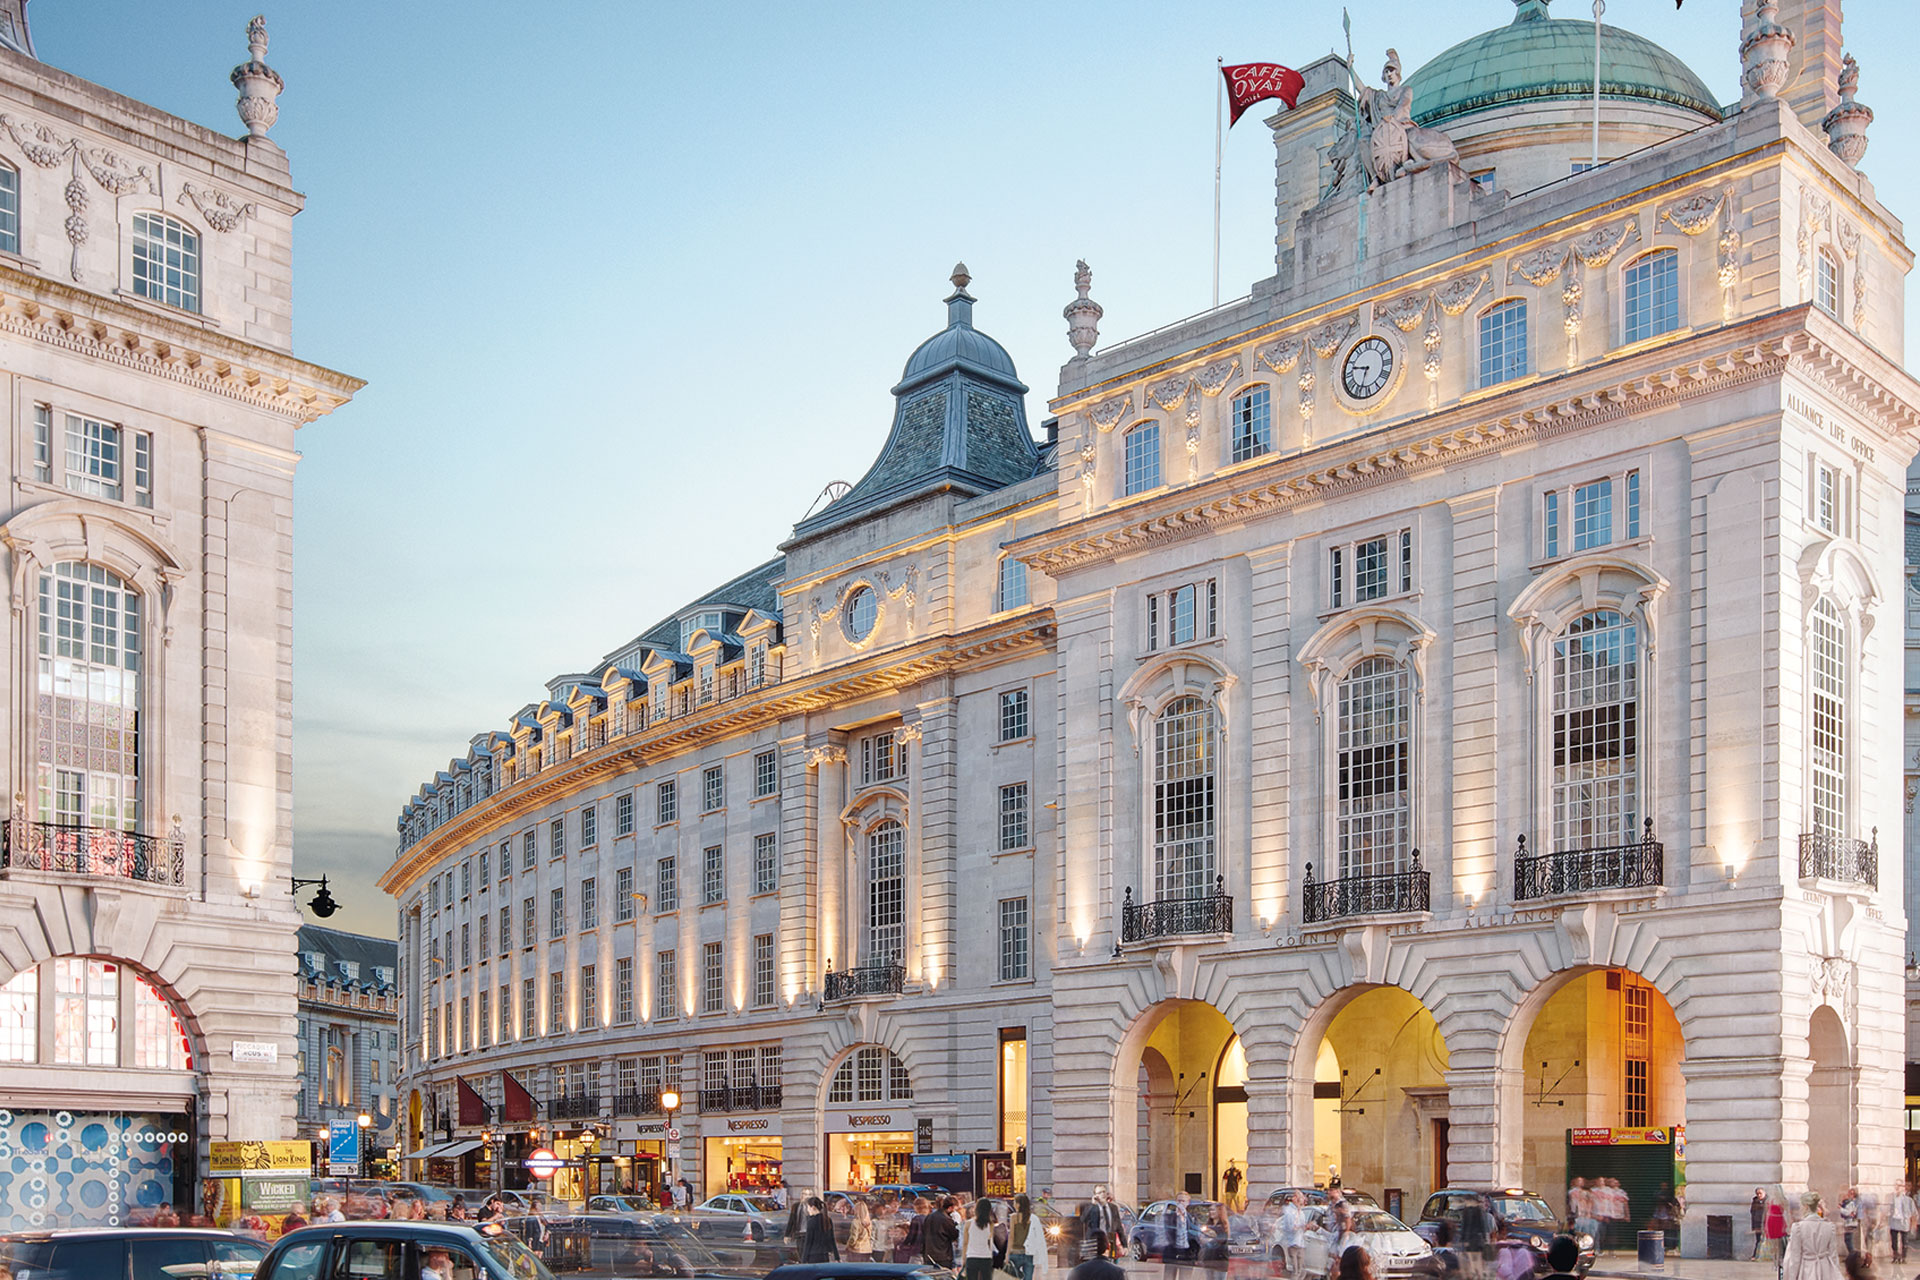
{"x": 1620, "y": 1265}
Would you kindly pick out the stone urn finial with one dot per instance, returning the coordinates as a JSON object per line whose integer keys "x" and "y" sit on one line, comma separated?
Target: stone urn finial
{"x": 1083, "y": 313}
{"x": 1764, "y": 69}
{"x": 258, "y": 83}
{"x": 1846, "y": 124}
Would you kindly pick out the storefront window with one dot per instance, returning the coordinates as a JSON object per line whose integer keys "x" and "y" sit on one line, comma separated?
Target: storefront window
{"x": 1013, "y": 1100}
{"x": 115, "y": 1166}
{"x": 20, "y": 1018}
{"x": 86, "y": 1005}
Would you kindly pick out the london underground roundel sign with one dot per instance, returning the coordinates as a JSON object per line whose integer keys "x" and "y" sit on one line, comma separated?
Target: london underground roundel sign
{"x": 543, "y": 1163}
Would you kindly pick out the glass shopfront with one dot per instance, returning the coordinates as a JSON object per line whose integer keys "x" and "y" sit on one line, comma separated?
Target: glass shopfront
{"x": 868, "y": 1147}
{"x": 740, "y": 1153}
{"x": 93, "y": 1169}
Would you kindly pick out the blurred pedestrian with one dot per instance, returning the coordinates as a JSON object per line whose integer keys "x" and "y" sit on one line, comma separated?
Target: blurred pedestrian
{"x": 1900, "y": 1216}
{"x": 1813, "y": 1245}
{"x": 1230, "y": 1181}
{"x": 860, "y": 1232}
{"x": 1215, "y": 1238}
{"x": 816, "y": 1235}
{"x": 1356, "y": 1263}
{"x": 939, "y": 1233}
{"x": 1026, "y": 1241}
{"x": 1097, "y": 1265}
{"x": 1850, "y": 1219}
{"x": 1757, "y": 1218}
{"x": 1290, "y": 1235}
{"x": 977, "y": 1245}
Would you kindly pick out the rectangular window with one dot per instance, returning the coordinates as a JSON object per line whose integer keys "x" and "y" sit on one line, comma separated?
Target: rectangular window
{"x": 666, "y": 804}
{"x": 529, "y": 1011}
{"x": 166, "y": 261}
{"x": 485, "y": 874}
{"x": 483, "y": 1027}
{"x": 881, "y": 760}
{"x": 1013, "y": 939}
{"x": 1370, "y": 569}
{"x": 1143, "y": 458}
{"x": 446, "y": 1022}
{"x": 666, "y": 888}
{"x": 713, "y": 874}
{"x": 9, "y": 210}
{"x": 97, "y": 456}
{"x": 589, "y": 998}
{"x": 527, "y": 925}
{"x": 466, "y": 945}
{"x": 1191, "y": 611}
{"x": 589, "y": 905}
{"x": 589, "y": 827}
{"x": 766, "y": 862}
{"x": 763, "y": 990}
{"x": 557, "y": 913}
{"x": 1153, "y": 623}
{"x": 466, "y": 879}
{"x": 556, "y": 1003}
{"x": 1503, "y": 343}
{"x": 1013, "y": 817}
{"x": 623, "y": 814}
{"x": 1551, "y": 521}
{"x": 1653, "y": 294}
{"x": 1592, "y": 515}
{"x": 1337, "y": 575}
{"x": 623, "y": 991}
{"x": 623, "y": 895}
{"x": 506, "y": 1013}
{"x": 486, "y": 938}
{"x": 712, "y": 979}
{"x": 766, "y": 774}
{"x": 1013, "y": 715}
{"x": 20, "y": 1017}
{"x": 1633, "y": 504}
{"x": 43, "y": 443}
{"x": 666, "y": 1001}
{"x": 1406, "y": 560}
{"x": 433, "y": 894}
{"x": 506, "y": 928}
{"x": 557, "y": 838}
{"x": 529, "y": 850}
{"x": 1826, "y": 495}
{"x": 713, "y": 789}
{"x": 756, "y": 665}
{"x": 1252, "y": 424}
{"x": 506, "y": 860}
{"x": 1181, "y": 621}
{"x": 1013, "y": 584}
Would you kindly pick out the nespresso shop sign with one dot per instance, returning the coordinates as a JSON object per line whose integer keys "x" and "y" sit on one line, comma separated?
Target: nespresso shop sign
{"x": 870, "y": 1122}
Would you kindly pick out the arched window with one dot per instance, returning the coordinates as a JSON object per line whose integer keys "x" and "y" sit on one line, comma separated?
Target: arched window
{"x": 9, "y": 209}
{"x": 1503, "y": 342}
{"x": 1826, "y": 282}
{"x": 871, "y": 1073}
{"x": 1143, "y": 458}
{"x": 1013, "y": 584}
{"x": 1596, "y": 732}
{"x": 166, "y": 261}
{"x": 1373, "y": 767}
{"x": 1827, "y": 643}
{"x": 886, "y": 893}
{"x": 1252, "y": 424}
{"x": 93, "y": 1002}
{"x": 89, "y": 687}
{"x": 1653, "y": 294}
{"x": 1183, "y": 800}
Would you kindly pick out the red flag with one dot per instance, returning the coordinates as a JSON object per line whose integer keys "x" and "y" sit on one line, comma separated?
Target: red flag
{"x": 517, "y": 1104}
{"x": 473, "y": 1107}
{"x": 1252, "y": 82}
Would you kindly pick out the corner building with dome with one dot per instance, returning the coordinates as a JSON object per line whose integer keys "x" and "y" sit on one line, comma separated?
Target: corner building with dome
{"x": 1433, "y": 719}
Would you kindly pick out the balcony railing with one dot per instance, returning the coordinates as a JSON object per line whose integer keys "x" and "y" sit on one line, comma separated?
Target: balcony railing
{"x": 644, "y": 1103}
{"x": 866, "y": 980}
{"x": 93, "y": 851}
{"x": 751, "y": 1097}
{"x": 1640, "y": 864}
{"x": 1396, "y": 891}
{"x": 574, "y": 1106}
{"x": 1176, "y": 917}
{"x": 1830, "y": 857}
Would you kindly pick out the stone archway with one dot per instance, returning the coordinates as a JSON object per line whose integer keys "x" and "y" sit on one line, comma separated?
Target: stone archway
{"x": 1830, "y": 1110}
{"x": 1167, "y": 1076}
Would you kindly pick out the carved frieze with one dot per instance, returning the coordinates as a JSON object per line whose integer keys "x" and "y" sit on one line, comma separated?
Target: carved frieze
{"x": 1815, "y": 215}
{"x": 221, "y": 211}
{"x": 1281, "y": 356}
{"x": 1108, "y": 414}
{"x": 1456, "y": 296}
{"x": 1543, "y": 266}
{"x": 1850, "y": 245}
{"x": 1404, "y": 313}
{"x": 1089, "y": 456}
{"x": 1169, "y": 392}
{"x": 1597, "y": 247}
{"x": 1306, "y": 406}
{"x": 115, "y": 173}
{"x": 1694, "y": 214}
{"x": 1214, "y": 378}
{"x": 1327, "y": 338}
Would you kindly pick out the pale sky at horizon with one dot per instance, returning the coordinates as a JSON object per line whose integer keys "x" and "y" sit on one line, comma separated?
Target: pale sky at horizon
{"x": 630, "y": 282}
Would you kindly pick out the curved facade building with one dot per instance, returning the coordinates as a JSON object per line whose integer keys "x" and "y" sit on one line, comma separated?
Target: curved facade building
{"x": 1432, "y": 718}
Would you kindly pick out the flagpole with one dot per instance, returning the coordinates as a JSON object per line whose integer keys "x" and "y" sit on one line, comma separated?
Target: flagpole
{"x": 1599, "y": 7}
{"x": 1219, "y": 91}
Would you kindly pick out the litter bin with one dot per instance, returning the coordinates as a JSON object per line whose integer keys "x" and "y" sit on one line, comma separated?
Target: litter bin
{"x": 1653, "y": 1251}
{"x": 1720, "y": 1236}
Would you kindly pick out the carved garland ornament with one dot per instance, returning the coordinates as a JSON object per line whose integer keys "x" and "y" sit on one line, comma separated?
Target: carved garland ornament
{"x": 113, "y": 172}
{"x": 1405, "y": 313}
{"x": 1327, "y": 338}
{"x": 1694, "y": 214}
{"x": 1169, "y": 392}
{"x": 1455, "y": 297}
{"x": 222, "y": 212}
{"x": 1281, "y": 356}
{"x": 1214, "y": 378}
{"x": 1597, "y": 248}
{"x": 1815, "y": 215}
{"x": 1850, "y": 245}
{"x": 1543, "y": 266}
{"x": 1108, "y": 413}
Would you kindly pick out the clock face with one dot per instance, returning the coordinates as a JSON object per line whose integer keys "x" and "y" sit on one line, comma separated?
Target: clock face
{"x": 1368, "y": 367}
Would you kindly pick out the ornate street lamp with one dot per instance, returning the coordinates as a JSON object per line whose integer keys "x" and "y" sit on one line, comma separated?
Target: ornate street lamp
{"x": 669, "y": 1103}
{"x": 365, "y": 1122}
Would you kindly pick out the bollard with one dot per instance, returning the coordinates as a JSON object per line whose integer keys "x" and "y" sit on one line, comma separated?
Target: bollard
{"x": 1653, "y": 1251}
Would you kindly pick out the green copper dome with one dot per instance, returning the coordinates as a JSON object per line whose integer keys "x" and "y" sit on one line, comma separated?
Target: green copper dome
{"x": 1538, "y": 57}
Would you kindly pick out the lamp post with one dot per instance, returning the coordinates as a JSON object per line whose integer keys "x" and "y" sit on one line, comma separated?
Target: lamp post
{"x": 669, "y": 1103}
{"x": 365, "y": 1122}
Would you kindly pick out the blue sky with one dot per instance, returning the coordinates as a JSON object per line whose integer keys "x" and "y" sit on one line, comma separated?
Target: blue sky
{"x": 629, "y": 283}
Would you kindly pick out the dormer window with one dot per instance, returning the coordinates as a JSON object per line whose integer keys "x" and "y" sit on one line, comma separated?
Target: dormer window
{"x": 705, "y": 620}
{"x": 881, "y": 759}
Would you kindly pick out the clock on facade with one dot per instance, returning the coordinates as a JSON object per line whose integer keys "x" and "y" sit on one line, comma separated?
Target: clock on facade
{"x": 1368, "y": 367}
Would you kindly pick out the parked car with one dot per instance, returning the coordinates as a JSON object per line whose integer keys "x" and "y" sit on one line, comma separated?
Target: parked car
{"x": 1318, "y": 1195}
{"x": 327, "y": 1250}
{"x": 1528, "y": 1217}
{"x": 739, "y": 1215}
{"x": 150, "y": 1251}
{"x": 1144, "y": 1239}
{"x": 619, "y": 1204}
{"x": 858, "y": 1271}
{"x": 1397, "y": 1249}
{"x": 632, "y": 1247}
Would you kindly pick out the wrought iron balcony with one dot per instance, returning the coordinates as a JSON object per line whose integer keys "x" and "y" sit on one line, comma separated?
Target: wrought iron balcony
{"x": 1396, "y": 891}
{"x": 748, "y": 1097}
{"x": 644, "y": 1103}
{"x": 866, "y": 980}
{"x": 1830, "y": 857}
{"x": 1176, "y": 917}
{"x": 574, "y": 1106}
{"x": 1640, "y": 864}
{"x": 93, "y": 851}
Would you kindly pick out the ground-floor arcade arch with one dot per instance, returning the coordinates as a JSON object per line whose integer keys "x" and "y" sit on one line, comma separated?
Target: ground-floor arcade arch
{"x": 1187, "y": 1070}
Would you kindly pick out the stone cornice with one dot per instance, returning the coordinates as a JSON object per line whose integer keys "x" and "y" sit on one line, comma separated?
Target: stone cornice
{"x": 893, "y": 669}
{"x": 176, "y": 350}
{"x": 1557, "y": 404}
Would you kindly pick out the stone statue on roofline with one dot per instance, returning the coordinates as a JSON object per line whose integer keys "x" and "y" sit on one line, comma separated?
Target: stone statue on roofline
{"x": 1396, "y": 146}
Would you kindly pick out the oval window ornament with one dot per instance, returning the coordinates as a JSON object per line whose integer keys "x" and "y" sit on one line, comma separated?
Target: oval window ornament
{"x": 862, "y": 612}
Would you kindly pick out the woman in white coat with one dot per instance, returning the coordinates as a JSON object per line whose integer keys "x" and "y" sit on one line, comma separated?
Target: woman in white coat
{"x": 1813, "y": 1246}
{"x": 1026, "y": 1242}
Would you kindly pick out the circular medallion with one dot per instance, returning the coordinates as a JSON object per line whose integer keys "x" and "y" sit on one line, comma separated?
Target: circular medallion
{"x": 1368, "y": 368}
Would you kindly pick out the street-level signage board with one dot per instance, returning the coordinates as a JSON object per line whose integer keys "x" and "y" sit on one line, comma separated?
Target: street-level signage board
{"x": 544, "y": 1163}
{"x": 1654, "y": 1137}
{"x": 259, "y": 1159}
{"x": 741, "y": 1126}
{"x": 273, "y": 1194}
{"x": 343, "y": 1148}
{"x": 952, "y": 1162}
{"x": 255, "y": 1051}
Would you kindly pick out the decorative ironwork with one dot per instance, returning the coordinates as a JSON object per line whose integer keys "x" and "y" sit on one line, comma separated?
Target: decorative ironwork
{"x": 574, "y": 1106}
{"x": 748, "y": 1097}
{"x": 865, "y": 980}
{"x": 1830, "y": 857}
{"x": 1177, "y": 917}
{"x": 93, "y": 851}
{"x": 1396, "y": 891}
{"x": 1640, "y": 864}
{"x": 644, "y": 1103}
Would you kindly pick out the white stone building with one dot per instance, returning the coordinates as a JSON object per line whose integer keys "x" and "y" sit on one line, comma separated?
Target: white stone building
{"x": 349, "y": 1038}
{"x": 1457, "y": 708}
{"x": 150, "y": 399}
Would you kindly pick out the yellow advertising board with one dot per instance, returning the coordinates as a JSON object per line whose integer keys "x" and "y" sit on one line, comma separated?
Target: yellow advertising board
{"x": 247, "y": 1159}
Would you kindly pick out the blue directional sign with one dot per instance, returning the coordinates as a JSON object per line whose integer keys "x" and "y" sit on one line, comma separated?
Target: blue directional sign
{"x": 343, "y": 1146}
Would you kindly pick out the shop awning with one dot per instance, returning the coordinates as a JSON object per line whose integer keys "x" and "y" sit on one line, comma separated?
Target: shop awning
{"x": 452, "y": 1149}
{"x": 427, "y": 1152}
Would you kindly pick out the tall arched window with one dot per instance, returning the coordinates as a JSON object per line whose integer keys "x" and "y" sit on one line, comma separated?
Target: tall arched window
{"x": 872, "y": 1073}
{"x": 1143, "y": 458}
{"x": 1653, "y": 294}
{"x": 1596, "y": 732}
{"x": 1183, "y": 800}
{"x": 1827, "y": 641}
{"x": 1503, "y": 342}
{"x": 88, "y": 726}
{"x": 166, "y": 261}
{"x": 886, "y": 893}
{"x": 1374, "y": 768}
{"x": 1826, "y": 282}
